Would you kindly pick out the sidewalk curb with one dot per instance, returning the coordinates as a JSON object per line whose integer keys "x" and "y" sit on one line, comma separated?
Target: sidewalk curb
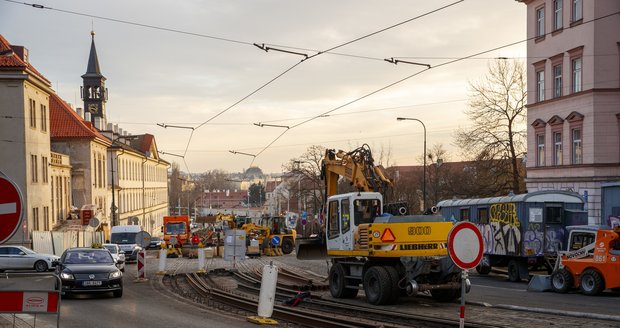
{"x": 575, "y": 314}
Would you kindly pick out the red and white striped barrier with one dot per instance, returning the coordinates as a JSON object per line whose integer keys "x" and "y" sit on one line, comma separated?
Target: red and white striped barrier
{"x": 141, "y": 268}
{"x": 29, "y": 302}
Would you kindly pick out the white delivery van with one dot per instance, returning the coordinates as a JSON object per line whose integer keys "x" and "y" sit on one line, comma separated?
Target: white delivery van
{"x": 125, "y": 237}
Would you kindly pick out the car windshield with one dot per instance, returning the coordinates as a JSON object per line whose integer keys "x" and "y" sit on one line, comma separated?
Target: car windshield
{"x": 175, "y": 228}
{"x": 27, "y": 250}
{"x": 88, "y": 257}
{"x": 111, "y": 248}
{"x": 124, "y": 238}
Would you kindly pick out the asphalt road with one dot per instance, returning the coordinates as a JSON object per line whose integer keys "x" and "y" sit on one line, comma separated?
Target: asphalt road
{"x": 142, "y": 305}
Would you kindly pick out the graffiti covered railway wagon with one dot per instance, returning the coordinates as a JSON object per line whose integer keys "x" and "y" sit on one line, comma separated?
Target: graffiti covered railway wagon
{"x": 519, "y": 231}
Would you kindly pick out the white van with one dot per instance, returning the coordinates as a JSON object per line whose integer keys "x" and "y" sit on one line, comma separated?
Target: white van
{"x": 125, "y": 237}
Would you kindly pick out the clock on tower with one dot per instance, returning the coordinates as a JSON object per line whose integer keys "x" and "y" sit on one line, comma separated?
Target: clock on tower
{"x": 93, "y": 108}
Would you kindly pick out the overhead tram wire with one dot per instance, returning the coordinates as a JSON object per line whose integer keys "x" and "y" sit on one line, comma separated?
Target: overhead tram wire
{"x": 38, "y": 6}
{"x": 320, "y": 53}
{"x": 418, "y": 73}
{"x": 306, "y": 57}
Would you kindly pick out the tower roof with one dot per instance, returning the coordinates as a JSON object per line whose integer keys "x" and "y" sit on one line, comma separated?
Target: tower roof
{"x": 93, "y": 69}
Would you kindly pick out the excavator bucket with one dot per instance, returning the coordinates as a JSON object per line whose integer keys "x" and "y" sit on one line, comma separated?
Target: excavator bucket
{"x": 310, "y": 248}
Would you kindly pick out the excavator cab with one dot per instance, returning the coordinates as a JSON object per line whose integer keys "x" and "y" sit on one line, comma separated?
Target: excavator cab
{"x": 345, "y": 214}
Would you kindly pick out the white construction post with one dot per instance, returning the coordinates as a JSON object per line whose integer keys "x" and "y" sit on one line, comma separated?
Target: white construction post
{"x": 201, "y": 260}
{"x": 162, "y": 262}
{"x": 267, "y": 296}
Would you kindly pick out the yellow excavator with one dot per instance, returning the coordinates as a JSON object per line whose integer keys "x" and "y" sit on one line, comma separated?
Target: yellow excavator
{"x": 385, "y": 255}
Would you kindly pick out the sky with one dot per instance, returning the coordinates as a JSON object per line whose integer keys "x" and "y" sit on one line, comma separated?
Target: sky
{"x": 194, "y": 64}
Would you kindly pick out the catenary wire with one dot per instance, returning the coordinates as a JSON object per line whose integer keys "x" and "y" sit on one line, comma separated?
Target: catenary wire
{"x": 416, "y": 74}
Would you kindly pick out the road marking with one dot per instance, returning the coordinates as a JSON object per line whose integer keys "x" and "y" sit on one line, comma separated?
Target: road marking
{"x": 8, "y": 208}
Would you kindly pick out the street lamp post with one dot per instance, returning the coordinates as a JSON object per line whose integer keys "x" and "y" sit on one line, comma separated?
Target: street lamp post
{"x": 424, "y": 173}
{"x": 114, "y": 147}
{"x": 438, "y": 164}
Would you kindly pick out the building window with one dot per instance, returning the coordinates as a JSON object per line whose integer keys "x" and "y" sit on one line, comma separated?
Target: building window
{"x": 43, "y": 118}
{"x": 540, "y": 154}
{"x": 557, "y": 81}
{"x": 483, "y": 215}
{"x": 577, "y": 13}
{"x": 540, "y": 22}
{"x": 44, "y": 163}
{"x": 35, "y": 218}
{"x": 576, "y": 68}
{"x": 464, "y": 214}
{"x": 577, "y": 148}
{"x": 557, "y": 147}
{"x": 33, "y": 113}
{"x": 34, "y": 168}
{"x": 557, "y": 14}
{"x": 540, "y": 85}
{"x": 46, "y": 218}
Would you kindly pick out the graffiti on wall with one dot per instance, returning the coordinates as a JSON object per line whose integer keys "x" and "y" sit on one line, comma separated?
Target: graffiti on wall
{"x": 553, "y": 239}
{"x": 533, "y": 239}
{"x": 502, "y": 235}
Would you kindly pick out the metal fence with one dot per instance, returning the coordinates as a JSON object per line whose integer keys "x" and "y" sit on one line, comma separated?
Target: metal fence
{"x": 56, "y": 242}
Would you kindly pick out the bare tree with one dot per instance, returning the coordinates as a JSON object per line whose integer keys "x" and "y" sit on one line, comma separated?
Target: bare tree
{"x": 498, "y": 134}
{"x": 308, "y": 168}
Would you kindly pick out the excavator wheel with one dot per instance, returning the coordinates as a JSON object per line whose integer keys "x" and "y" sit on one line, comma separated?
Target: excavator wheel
{"x": 591, "y": 282}
{"x": 562, "y": 281}
{"x": 287, "y": 246}
{"x": 377, "y": 286}
{"x": 338, "y": 282}
{"x": 395, "y": 278}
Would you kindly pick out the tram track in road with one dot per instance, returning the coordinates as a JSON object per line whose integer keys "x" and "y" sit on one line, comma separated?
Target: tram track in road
{"x": 243, "y": 282}
{"x": 316, "y": 303}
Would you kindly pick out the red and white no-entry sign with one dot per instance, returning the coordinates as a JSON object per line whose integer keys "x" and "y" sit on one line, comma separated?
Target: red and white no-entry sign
{"x": 10, "y": 208}
{"x": 465, "y": 245}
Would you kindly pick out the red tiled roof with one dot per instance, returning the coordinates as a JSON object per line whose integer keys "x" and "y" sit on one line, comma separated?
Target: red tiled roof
{"x": 14, "y": 62}
{"x": 66, "y": 123}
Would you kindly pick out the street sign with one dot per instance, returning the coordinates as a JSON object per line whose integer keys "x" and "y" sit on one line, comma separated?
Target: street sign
{"x": 275, "y": 240}
{"x": 10, "y": 208}
{"x": 143, "y": 238}
{"x": 465, "y": 245}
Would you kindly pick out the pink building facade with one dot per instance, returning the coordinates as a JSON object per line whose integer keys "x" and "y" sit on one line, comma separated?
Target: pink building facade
{"x": 573, "y": 70}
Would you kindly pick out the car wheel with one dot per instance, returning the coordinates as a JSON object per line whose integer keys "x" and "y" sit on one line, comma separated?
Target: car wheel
{"x": 513, "y": 271}
{"x": 41, "y": 266}
{"x": 118, "y": 293}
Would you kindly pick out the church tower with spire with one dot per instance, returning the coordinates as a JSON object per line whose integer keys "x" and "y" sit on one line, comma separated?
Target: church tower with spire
{"x": 94, "y": 92}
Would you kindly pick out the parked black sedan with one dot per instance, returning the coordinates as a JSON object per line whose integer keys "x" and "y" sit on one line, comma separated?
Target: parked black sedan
{"x": 89, "y": 270}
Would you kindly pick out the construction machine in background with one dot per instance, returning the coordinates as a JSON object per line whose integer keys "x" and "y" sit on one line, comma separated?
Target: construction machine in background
{"x": 385, "y": 254}
{"x": 592, "y": 268}
{"x": 176, "y": 231}
{"x": 272, "y": 236}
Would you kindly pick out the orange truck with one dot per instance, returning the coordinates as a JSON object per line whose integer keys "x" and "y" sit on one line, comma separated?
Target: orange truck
{"x": 593, "y": 268}
{"x": 178, "y": 227}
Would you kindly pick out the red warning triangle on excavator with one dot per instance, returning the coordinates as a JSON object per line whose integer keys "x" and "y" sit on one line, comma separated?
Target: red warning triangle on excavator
{"x": 387, "y": 236}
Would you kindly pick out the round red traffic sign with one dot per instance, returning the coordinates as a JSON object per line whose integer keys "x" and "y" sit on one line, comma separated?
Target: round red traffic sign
{"x": 10, "y": 209}
{"x": 465, "y": 245}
